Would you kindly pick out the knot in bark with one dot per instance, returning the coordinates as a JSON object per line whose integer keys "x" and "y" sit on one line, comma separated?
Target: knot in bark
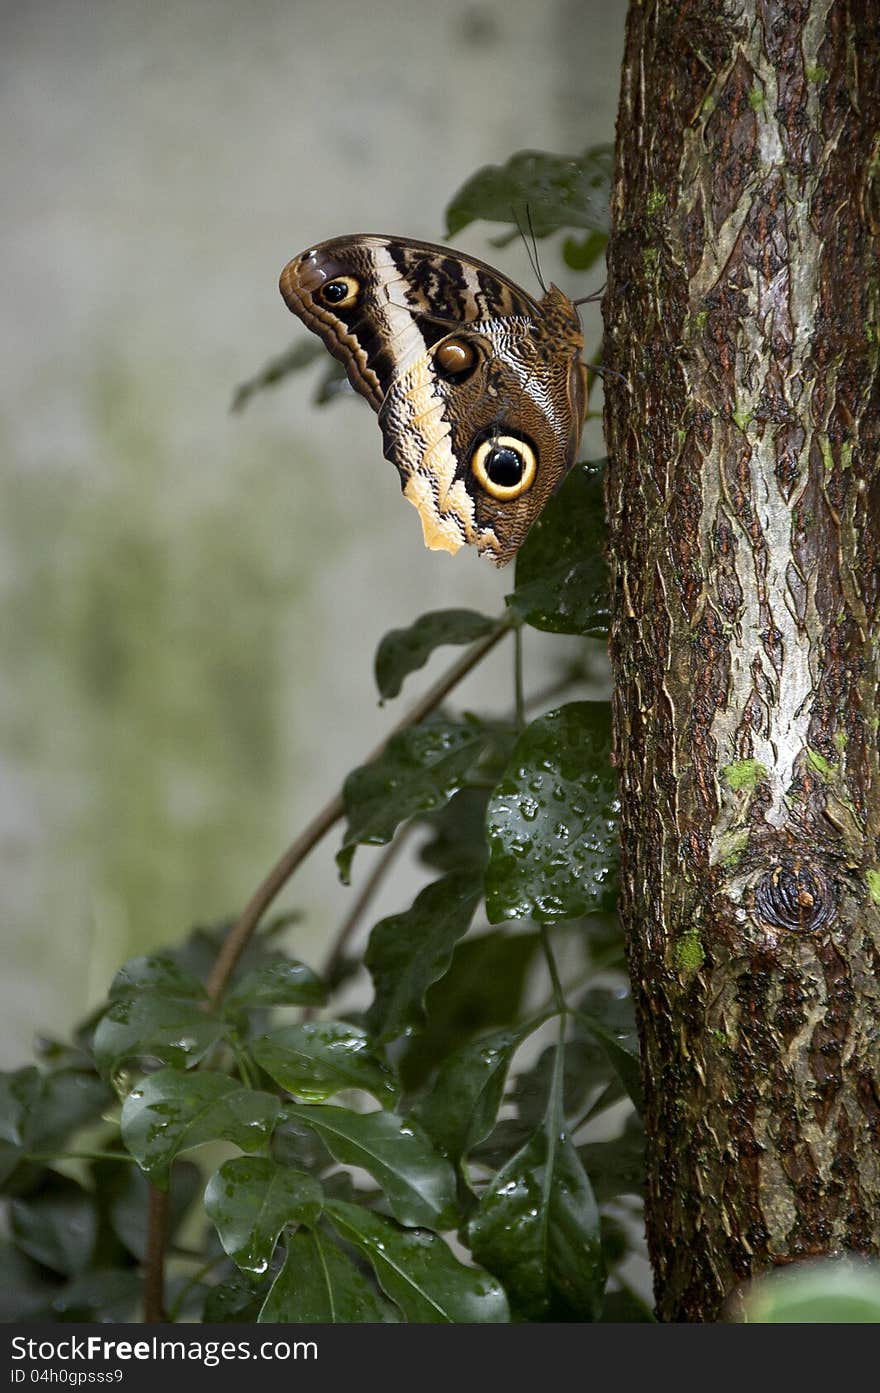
{"x": 795, "y": 896}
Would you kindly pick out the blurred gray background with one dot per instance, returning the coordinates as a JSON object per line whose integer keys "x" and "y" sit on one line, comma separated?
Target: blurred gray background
{"x": 190, "y": 600}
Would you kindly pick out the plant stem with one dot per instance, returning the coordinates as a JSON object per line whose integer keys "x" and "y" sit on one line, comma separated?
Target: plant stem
{"x": 154, "y": 1265}
{"x": 518, "y": 696}
{"x": 558, "y": 994}
{"x": 361, "y": 904}
{"x": 244, "y": 1068}
{"x": 239, "y": 935}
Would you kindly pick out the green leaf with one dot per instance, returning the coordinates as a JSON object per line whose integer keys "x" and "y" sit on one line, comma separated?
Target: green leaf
{"x": 416, "y": 1269}
{"x": 20, "y": 1090}
{"x": 332, "y": 385}
{"x": 582, "y": 253}
{"x": 458, "y": 840}
{"x": 616, "y": 1238}
{"x": 586, "y": 1072}
{"x": 319, "y": 1058}
{"x": 156, "y": 973}
{"x": 419, "y": 769}
{"x": 170, "y": 1112}
{"x": 58, "y": 1227}
{"x": 409, "y": 951}
{"x": 562, "y": 584}
{"x": 537, "y": 1229}
{"x": 27, "y": 1290}
{"x": 545, "y": 192}
{"x": 250, "y": 1199}
{"x": 38, "y": 1112}
{"x": 552, "y": 820}
{"x": 419, "y": 1183}
{"x": 620, "y": 1043}
{"x": 68, "y": 1100}
{"x": 617, "y": 1167}
{"x": 624, "y": 1307}
{"x": 298, "y": 1146}
{"x": 483, "y": 988}
{"x": 105, "y": 1295}
{"x": 198, "y": 951}
{"x": 318, "y": 1284}
{"x": 403, "y": 651}
{"x": 150, "y": 1026}
{"x": 288, "y": 983}
{"x": 460, "y": 1108}
{"x": 830, "y": 1291}
{"x": 238, "y": 1298}
{"x": 157, "y": 1011}
{"x": 300, "y": 355}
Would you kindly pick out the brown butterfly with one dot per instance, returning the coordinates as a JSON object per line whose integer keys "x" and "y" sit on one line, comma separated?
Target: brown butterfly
{"x": 480, "y": 389}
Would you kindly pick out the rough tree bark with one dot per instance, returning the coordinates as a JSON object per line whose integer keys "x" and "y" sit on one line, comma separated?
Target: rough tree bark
{"x": 744, "y": 502}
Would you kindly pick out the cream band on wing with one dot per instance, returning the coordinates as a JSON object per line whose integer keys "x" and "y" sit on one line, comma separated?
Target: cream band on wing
{"x": 439, "y": 533}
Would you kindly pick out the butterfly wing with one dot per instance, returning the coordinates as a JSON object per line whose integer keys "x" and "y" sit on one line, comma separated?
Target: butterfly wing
{"x": 466, "y": 370}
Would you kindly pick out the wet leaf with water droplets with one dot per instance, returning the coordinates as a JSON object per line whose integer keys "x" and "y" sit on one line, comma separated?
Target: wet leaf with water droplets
{"x": 408, "y": 952}
{"x": 319, "y": 1284}
{"x": 319, "y": 1058}
{"x": 170, "y": 1112}
{"x": 419, "y": 769}
{"x": 156, "y": 972}
{"x": 239, "y": 1298}
{"x": 250, "y": 1199}
{"x": 418, "y": 1182}
{"x": 537, "y": 1229}
{"x": 552, "y": 820}
{"x": 417, "y": 1270}
{"x": 288, "y": 983}
{"x": 156, "y": 1012}
{"x": 460, "y": 1108}
{"x": 178, "y": 1033}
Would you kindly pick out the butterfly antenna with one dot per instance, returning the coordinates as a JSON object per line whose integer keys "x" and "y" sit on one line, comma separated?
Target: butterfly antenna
{"x": 535, "y": 259}
{"x": 531, "y": 254}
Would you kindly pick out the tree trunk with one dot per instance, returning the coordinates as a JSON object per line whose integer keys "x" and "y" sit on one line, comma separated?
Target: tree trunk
{"x": 744, "y": 502}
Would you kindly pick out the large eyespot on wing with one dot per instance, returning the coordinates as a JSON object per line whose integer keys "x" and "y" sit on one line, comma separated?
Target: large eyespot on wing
{"x": 504, "y": 465}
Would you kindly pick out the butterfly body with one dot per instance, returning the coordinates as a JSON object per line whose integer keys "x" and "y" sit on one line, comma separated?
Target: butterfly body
{"x": 479, "y": 387}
